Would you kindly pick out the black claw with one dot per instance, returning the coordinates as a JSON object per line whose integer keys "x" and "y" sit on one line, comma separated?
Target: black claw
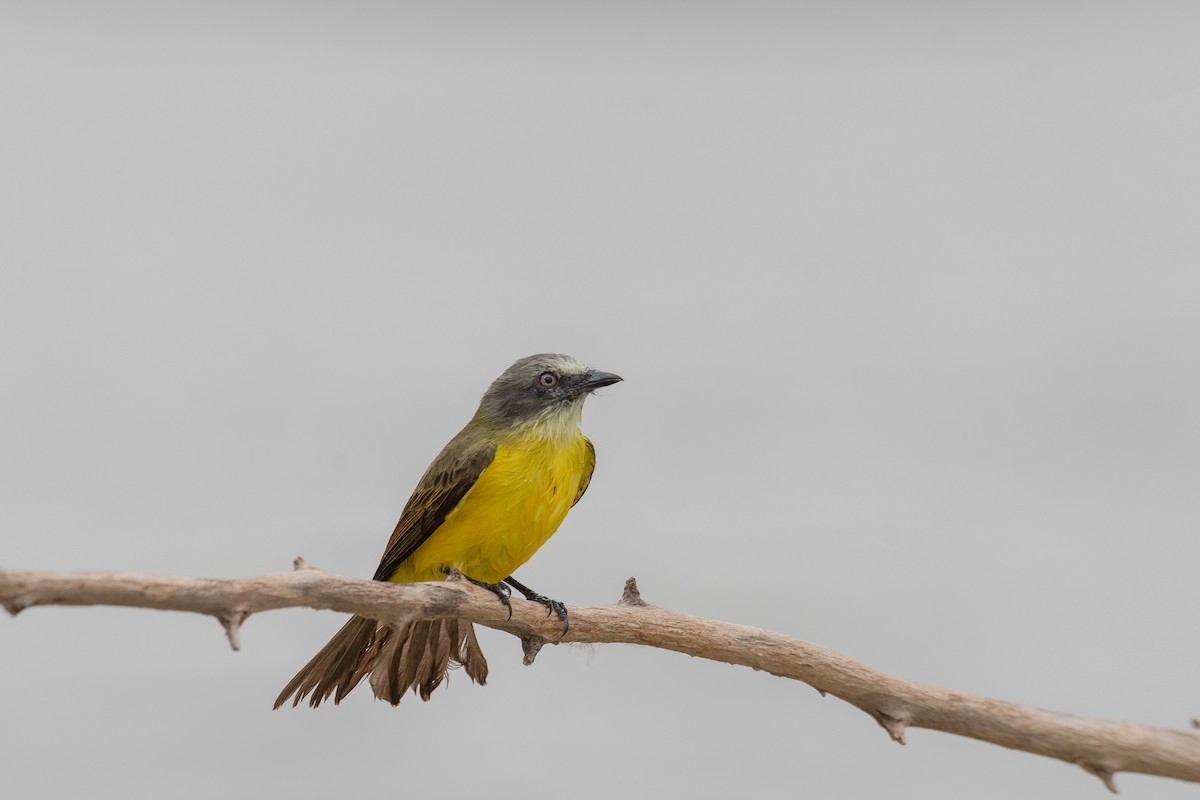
{"x": 552, "y": 606}
{"x": 561, "y": 612}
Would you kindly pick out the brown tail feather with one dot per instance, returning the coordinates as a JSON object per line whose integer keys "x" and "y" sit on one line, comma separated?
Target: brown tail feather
{"x": 418, "y": 655}
{"x": 415, "y": 655}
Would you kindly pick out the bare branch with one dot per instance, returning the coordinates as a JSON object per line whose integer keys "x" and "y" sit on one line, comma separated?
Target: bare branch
{"x": 1101, "y": 747}
{"x": 632, "y": 596}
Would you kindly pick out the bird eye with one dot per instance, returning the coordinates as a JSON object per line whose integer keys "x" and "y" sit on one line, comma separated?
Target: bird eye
{"x": 547, "y": 380}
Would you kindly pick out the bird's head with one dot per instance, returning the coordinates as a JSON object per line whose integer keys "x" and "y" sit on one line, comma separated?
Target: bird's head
{"x": 544, "y": 391}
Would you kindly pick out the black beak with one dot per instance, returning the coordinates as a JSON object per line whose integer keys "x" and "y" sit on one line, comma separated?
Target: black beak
{"x": 594, "y": 379}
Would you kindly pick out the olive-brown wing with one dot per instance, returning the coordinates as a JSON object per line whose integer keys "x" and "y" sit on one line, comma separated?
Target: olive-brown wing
{"x": 442, "y": 488}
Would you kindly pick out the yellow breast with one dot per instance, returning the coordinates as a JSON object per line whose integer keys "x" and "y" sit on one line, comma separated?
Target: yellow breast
{"x": 517, "y": 503}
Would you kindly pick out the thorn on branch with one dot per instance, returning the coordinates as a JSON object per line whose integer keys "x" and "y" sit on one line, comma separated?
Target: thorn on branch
{"x": 14, "y": 607}
{"x": 300, "y": 564}
{"x": 232, "y": 621}
{"x": 532, "y": 645}
{"x": 894, "y": 726}
{"x": 1104, "y": 774}
{"x": 822, "y": 691}
{"x": 631, "y": 596}
{"x": 1195, "y": 720}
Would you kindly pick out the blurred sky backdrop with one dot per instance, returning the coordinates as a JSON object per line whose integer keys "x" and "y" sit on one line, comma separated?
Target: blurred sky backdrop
{"x": 907, "y": 300}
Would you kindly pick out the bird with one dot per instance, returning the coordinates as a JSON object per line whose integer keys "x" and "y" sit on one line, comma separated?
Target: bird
{"x": 494, "y": 494}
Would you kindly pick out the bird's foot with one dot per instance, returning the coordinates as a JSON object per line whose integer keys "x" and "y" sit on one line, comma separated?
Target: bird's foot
{"x": 499, "y": 589}
{"x": 552, "y": 606}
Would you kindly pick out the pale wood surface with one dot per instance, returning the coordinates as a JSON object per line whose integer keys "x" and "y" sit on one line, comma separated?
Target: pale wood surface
{"x": 1101, "y": 747}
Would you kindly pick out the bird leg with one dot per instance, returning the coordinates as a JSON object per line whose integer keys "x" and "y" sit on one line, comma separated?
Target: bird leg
{"x": 552, "y": 606}
{"x": 498, "y": 589}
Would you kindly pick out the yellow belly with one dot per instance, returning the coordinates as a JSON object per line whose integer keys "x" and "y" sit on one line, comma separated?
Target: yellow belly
{"x": 513, "y": 508}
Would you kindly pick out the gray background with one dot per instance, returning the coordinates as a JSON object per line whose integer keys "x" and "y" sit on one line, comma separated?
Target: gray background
{"x": 905, "y": 296}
